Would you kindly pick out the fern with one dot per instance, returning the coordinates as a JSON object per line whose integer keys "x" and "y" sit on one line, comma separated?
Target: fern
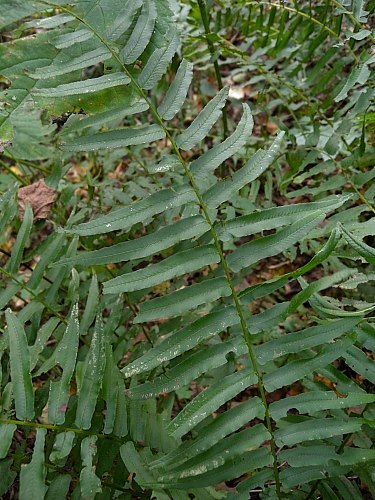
{"x": 111, "y": 399}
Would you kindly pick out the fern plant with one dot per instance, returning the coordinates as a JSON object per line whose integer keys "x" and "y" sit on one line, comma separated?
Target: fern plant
{"x": 126, "y": 312}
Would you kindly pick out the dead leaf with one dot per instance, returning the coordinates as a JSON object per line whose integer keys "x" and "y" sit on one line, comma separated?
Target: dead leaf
{"x": 40, "y": 197}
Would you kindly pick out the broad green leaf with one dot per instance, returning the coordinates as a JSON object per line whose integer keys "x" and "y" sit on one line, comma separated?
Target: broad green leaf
{"x": 226, "y": 190}
{"x": 6, "y": 437}
{"x": 271, "y": 218}
{"x": 57, "y": 276}
{"x": 92, "y": 377}
{"x": 40, "y": 342}
{"x": 20, "y": 368}
{"x": 91, "y": 308}
{"x": 181, "y": 263}
{"x": 105, "y": 117}
{"x": 357, "y": 279}
{"x": 68, "y": 39}
{"x": 270, "y": 286}
{"x": 32, "y": 137}
{"x": 362, "y": 248}
{"x": 14, "y": 10}
{"x": 22, "y": 238}
{"x": 50, "y": 254}
{"x": 321, "y": 255}
{"x": 110, "y": 391}
{"x": 51, "y": 22}
{"x": 329, "y": 309}
{"x": 203, "y": 123}
{"x": 7, "y": 475}
{"x": 141, "y": 33}
{"x": 176, "y": 94}
{"x": 84, "y": 86}
{"x": 8, "y": 207}
{"x": 316, "y": 286}
{"x": 304, "y": 339}
{"x": 347, "y": 489}
{"x": 62, "y": 446}
{"x": 212, "y": 432}
{"x": 322, "y": 454}
{"x": 213, "y": 158}
{"x": 256, "y": 480}
{"x": 260, "y": 248}
{"x": 114, "y": 397}
{"x": 134, "y": 464}
{"x": 312, "y": 429}
{"x": 295, "y": 370}
{"x": 220, "y": 453}
{"x": 360, "y": 363}
{"x": 359, "y": 11}
{"x": 29, "y": 310}
{"x": 151, "y": 244}
{"x": 266, "y": 320}
{"x": 183, "y": 300}
{"x": 59, "y": 487}
{"x": 124, "y": 218}
{"x": 168, "y": 162}
{"x": 208, "y": 401}
{"x": 8, "y": 293}
{"x": 186, "y": 370}
{"x": 33, "y": 474}
{"x": 89, "y": 482}
{"x": 359, "y": 74}
{"x": 157, "y": 63}
{"x": 123, "y": 20}
{"x": 120, "y": 428}
{"x": 311, "y": 402}
{"x": 302, "y": 475}
{"x": 65, "y": 356}
{"x": 366, "y": 336}
{"x": 64, "y": 67}
{"x": 119, "y": 138}
{"x": 234, "y": 468}
{"x": 183, "y": 340}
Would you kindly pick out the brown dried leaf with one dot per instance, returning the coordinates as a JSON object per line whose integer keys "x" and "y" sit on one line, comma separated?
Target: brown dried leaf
{"x": 40, "y": 197}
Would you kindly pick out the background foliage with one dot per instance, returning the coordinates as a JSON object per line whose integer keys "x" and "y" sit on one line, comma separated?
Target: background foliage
{"x": 194, "y": 317}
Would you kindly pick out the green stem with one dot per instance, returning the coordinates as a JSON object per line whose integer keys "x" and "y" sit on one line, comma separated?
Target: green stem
{"x": 245, "y": 329}
{"x": 206, "y": 23}
{"x": 362, "y": 197}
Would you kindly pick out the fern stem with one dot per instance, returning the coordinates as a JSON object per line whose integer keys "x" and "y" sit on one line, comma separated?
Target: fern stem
{"x": 227, "y": 272}
{"x": 206, "y": 23}
{"x": 245, "y": 329}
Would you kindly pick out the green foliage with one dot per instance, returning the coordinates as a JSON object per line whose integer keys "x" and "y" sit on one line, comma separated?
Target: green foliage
{"x": 197, "y": 309}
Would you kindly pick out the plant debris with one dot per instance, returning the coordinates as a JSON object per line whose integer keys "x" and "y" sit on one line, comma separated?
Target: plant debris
{"x": 40, "y": 197}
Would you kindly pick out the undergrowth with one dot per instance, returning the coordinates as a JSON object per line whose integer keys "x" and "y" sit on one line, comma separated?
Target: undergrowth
{"x": 186, "y": 249}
